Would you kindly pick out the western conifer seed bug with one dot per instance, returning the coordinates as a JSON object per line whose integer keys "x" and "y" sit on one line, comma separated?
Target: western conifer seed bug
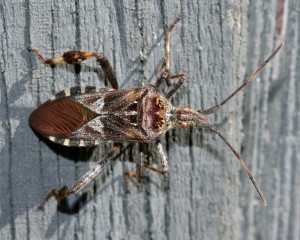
{"x": 88, "y": 116}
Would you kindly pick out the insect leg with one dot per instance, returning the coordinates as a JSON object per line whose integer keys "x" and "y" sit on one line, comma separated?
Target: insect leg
{"x": 76, "y": 57}
{"x": 164, "y": 72}
{"x": 139, "y": 172}
{"x": 217, "y": 131}
{"x": 107, "y": 69}
{"x": 168, "y": 32}
{"x": 140, "y": 166}
{"x": 165, "y": 69}
{"x": 177, "y": 85}
{"x": 83, "y": 181}
{"x": 162, "y": 158}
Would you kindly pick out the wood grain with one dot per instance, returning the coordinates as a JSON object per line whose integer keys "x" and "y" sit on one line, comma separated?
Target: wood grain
{"x": 205, "y": 194}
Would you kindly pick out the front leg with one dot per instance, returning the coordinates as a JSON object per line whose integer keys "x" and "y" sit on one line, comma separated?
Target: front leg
{"x": 164, "y": 72}
{"x": 139, "y": 169}
{"x": 140, "y": 166}
{"x": 76, "y": 57}
{"x": 164, "y": 167}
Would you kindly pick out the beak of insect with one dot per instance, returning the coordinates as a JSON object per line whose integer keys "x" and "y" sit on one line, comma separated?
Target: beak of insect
{"x": 187, "y": 117}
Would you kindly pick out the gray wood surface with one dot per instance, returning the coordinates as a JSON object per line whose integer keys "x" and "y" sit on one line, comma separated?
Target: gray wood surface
{"x": 271, "y": 123}
{"x": 205, "y": 195}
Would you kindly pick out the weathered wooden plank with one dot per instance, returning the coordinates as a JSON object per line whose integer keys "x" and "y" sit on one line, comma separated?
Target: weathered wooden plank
{"x": 205, "y": 195}
{"x": 271, "y": 141}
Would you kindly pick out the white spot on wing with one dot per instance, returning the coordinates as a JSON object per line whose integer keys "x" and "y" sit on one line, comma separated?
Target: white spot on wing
{"x": 52, "y": 139}
{"x": 81, "y": 143}
{"x": 66, "y": 142}
{"x": 67, "y": 92}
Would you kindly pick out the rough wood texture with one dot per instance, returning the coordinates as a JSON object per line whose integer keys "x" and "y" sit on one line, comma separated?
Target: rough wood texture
{"x": 205, "y": 195}
{"x": 271, "y": 122}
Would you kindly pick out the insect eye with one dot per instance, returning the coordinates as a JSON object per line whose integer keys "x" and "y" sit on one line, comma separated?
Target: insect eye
{"x": 160, "y": 104}
{"x": 159, "y": 122}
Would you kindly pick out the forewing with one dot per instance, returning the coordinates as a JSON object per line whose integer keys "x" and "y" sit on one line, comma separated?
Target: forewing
{"x": 60, "y": 117}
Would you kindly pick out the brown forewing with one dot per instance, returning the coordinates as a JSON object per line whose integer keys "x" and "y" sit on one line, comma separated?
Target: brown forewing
{"x": 60, "y": 117}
